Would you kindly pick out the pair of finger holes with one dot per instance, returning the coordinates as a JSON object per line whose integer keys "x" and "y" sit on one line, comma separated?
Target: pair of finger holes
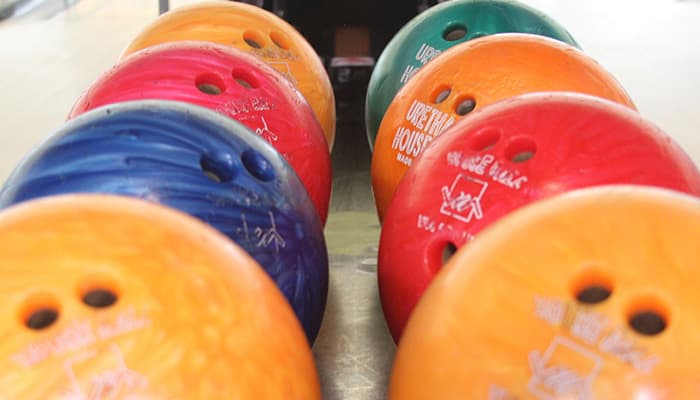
{"x": 255, "y": 40}
{"x": 221, "y": 168}
{"x": 518, "y": 150}
{"x": 43, "y": 311}
{"x": 646, "y": 318}
{"x": 463, "y": 106}
{"x": 213, "y": 85}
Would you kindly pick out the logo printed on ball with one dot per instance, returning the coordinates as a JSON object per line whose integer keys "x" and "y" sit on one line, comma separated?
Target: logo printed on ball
{"x": 80, "y": 334}
{"x": 428, "y": 224}
{"x": 552, "y": 375}
{"x": 120, "y": 380}
{"x": 596, "y": 331}
{"x": 274, "y": 54}
{"x": 262, "y": 237}
{"x": 424, "y": 54}
{"x": 462, "y": 199}
{"x": 427, "y": 122}
{"x": 498, "y": 393}
{"x": 245, "y": 106}
{"x": 265, "y": 132}
{"x": 283, "y": 68}
{"x": 486, "y": 165}
{"x": 408, "y": 73}
{"x": 427, "y": 118}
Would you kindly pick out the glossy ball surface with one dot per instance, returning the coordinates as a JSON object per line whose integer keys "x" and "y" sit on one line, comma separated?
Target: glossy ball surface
{"x": 202, "y": 163}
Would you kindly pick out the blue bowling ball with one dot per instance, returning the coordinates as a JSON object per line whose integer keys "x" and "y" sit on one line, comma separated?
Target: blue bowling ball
{"x": 202, "y": 163}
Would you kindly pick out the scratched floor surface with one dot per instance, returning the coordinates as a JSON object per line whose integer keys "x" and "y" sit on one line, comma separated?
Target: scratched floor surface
{"x": 354, "y": 350}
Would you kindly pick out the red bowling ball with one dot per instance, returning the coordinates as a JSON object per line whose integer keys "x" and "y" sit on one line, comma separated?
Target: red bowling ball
{"x": 508, "y": 155}
{"x": 232, "y": 83}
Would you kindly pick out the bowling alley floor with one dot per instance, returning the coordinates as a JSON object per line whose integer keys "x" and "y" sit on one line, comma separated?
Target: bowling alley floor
{"x": 47, "y": 58}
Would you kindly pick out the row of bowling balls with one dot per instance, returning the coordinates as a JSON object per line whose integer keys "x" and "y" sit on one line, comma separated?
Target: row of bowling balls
{"x": 514, "y": 262}
{"x": 221, "y": 111}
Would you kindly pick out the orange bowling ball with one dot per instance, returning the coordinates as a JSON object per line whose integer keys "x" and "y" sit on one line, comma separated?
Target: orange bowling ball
{"x": 256, "y": 31}
{"x": 588, "y": 295}
{"x": 107, "y": 297}
{"x": 469, "y": 76}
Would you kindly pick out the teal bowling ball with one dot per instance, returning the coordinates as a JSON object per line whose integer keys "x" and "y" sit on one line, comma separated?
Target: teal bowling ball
{"x": 436, "y": 30}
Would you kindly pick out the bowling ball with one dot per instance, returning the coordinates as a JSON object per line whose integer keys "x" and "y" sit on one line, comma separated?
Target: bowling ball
{"x": 508, "y": 155}
{"x": 255, "y": 31}
{"x": 108, "y": 297}
{"x": 591, "y": 295}
{"x": 234, "y": 84}
{"x": 202, "y": 163}
{"x": 436, "y": 30}
{"x": 469, "y": 76}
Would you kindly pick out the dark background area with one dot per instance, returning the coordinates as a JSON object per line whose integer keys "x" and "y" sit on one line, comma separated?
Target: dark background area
{"x": 318, "y": 20}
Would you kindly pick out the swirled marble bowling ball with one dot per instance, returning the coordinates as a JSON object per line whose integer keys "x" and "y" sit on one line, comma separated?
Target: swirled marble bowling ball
{"x": 256, "y": 31}
{"x": 508, "y": 155}
{"x": 109, "y": 297}
{"x": 202, "y": 163}
{"x": 587, "y": 295}
{"x": 437, "y": 29}
{"x": 467, "y": 77}
{"x": 232, "y": 83}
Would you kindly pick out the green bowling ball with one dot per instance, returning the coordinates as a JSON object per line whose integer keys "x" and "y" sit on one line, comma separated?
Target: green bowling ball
{"x": 436, "y": 30}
